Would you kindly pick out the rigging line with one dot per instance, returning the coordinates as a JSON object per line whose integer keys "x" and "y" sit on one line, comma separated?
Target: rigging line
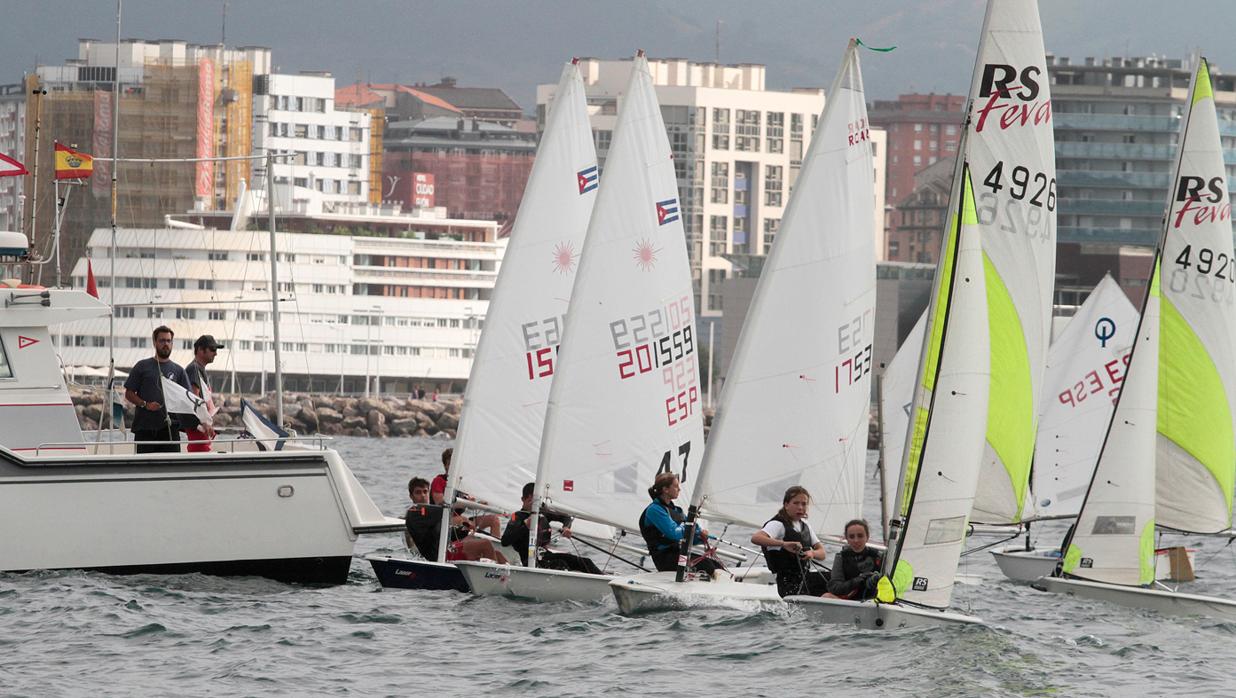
{"x": 1212, "y": 556}
{"x": 987, "y": 546}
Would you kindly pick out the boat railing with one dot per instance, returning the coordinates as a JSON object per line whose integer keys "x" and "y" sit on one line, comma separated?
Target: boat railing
{"x": 315, "y": 442}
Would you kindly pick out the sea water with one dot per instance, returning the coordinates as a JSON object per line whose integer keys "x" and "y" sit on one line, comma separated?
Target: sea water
{"x": 80, "y": 633}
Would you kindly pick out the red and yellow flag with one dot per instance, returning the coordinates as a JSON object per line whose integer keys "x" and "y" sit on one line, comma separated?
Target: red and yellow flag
{"x": 71, "y": 164}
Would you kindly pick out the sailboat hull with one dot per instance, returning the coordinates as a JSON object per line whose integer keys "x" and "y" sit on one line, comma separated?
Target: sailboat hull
{"x": 1166, "y": 602}
{"x": 869, "y": 615}
{"x": 1021, "y": 565}
{"x": 657, "y": 591}
{"x": 404, "y": 573}
{"x": 493, "y": 579}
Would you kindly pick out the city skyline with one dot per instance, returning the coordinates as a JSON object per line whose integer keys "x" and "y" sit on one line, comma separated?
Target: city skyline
{"x": 384, "y": 40}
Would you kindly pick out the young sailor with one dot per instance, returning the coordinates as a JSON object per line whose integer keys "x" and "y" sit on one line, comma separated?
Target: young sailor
{"x": 516, "y": 536}
{"x": 661, "y": 525}
{"x": 856, "y": 569}
{"x": 790, "y": 545}
{"x": 485, "y": 523}
{"x": 424, "y": 525}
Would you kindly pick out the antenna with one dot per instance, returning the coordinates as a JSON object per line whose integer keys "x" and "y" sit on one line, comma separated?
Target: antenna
{"x": 718, "y": 43}
{"x": 223, "y": 34}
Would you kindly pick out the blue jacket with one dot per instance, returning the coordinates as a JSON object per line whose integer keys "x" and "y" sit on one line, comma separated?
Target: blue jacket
{"x": 662, "y": 525}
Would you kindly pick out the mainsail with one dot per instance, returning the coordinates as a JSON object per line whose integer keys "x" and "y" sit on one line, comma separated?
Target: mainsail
{"x": 625, "y": 401}
{"x": 1085, "y": 369}
{"x": 1011, "y": 156}
{"x": 795, "y": 407}
{"x": 504, "y": 403}
{"x": 896, "y": 397}
{"x": 1196, "y": 446}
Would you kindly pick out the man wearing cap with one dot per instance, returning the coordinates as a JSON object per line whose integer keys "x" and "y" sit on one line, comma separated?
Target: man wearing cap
{"x": 204, "y": 351}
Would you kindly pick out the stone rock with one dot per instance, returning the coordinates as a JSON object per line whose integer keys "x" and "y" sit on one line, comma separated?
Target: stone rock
{"x": 447, "y": 421}
{"x": 328, "y": 415}
{"x": 404, "y": 427}
{"x": 376, "y": 421}
{"x": 309, "y": 417}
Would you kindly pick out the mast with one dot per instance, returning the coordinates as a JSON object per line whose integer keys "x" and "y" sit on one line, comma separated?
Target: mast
{"x": 274, "y": 283}
{"x": 111, "y": 284}
{"x": 883, "y": 464}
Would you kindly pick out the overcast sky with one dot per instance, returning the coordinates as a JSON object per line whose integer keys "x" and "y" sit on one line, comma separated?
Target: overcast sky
{"x": 516, "y": 45}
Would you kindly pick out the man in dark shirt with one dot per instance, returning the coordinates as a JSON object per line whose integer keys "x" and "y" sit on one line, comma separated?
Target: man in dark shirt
{"x": 204, "y": 351}
{"x": 144, "y": 389}
{"x": 424, "y": 527}
{"x": 485, "y": 523}
{"x": 516, "y": 536}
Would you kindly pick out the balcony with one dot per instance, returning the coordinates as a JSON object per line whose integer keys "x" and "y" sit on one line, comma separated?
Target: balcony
{"x": 1118, "y": 236}
{"x": 1112, "y": 207}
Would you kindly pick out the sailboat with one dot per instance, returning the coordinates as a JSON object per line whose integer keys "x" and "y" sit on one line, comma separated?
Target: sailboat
{"x": 1085, "y": 369}
{"x": 1174, "y": 416}
{"x": 517, "y": 356}
{"x": 986, "y": 325}
{"x": 625, "y": 402}
{"x": 795, "y": 405}
{"x": 896, "y": 397}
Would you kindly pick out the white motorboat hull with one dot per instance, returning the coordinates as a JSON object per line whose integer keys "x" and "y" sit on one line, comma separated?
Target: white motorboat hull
{"x": 290, "y": 516}
{"x": 494, "y": 579}
{"x": 869, "y": 615}
{"x": 1166, "y": 602}
{"x": 1021, "y": 565}
{"x": 657, "y": 591}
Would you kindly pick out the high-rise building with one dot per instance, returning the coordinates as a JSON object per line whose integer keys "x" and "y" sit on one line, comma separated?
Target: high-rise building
{"x": 12, "y": 144}
{"x": 922, "y": 130}
{"x": 177, "y": 100}
{"x": 737, "y": 150}
{"x": 296, "y": 114}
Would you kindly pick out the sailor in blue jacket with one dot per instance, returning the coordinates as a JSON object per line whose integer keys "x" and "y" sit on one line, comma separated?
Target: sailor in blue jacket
{"x": 661, "y": 525}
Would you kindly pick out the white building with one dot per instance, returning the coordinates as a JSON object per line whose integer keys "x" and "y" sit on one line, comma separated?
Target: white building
{"x": 737, "y": 148}
{"x": 356, "y": 312}
{"x": 296, "y": 114}
{"x": 12, "y": 144}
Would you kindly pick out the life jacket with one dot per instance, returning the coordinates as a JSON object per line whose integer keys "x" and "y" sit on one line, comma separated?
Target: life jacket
{"x": 850, "y": 559}
{"x": 653, "y": 538}
{"x": 780, "y": 561}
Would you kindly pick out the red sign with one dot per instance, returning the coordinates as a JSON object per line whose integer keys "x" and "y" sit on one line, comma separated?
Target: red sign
{"x": 204, "y": 175}
{"x": 568, "y": 485}
{"x": 422, "y": 190}
{"x": 23, "y": 342}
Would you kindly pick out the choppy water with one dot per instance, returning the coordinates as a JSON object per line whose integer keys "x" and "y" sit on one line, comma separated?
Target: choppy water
{"x": 81, "y": 633}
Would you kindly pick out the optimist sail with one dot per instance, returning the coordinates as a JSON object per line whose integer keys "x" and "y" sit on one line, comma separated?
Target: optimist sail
{"x": 625, "y": 401}
{"x": 1196, "y": 446}
{"x": 1085, "y": 369}
{"x": 795, "y": 406}
{"x": 504, "y": 404}
{"x": 1011, "y": 154}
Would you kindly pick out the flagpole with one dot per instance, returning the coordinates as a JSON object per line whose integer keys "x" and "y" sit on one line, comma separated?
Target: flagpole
{"x": 111, "y": 294}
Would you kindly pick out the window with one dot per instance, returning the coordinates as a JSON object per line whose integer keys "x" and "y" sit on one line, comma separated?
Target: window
{"x": 603, "y": 139}
{"x": 773, "y": 184}
{"x": 244, "y": 314}
{"x": 186, "y": 314}
{"x": 720, "y": 182}
{"x": 721, "y": 129}
{"x": 154, "y": 312}
{"x": 717, "y": 229}
{"x": 256, "y": 256}
{"x": 216, "y": 315}
{"x": 205, "y": 284}
{"x": 775, "y": 121}
{"x": 747, "y": 132}
{"x": 771, "y": 225}
{"x": 124, "y": 312}
{"x": 219, "y": 256}
{"x": 6, "y": 371}
{"x": 175, "y": 283}
{"x": 137, "y": 342}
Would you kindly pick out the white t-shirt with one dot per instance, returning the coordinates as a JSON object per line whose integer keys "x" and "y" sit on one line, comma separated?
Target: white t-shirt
{"x": 776, "y": 529}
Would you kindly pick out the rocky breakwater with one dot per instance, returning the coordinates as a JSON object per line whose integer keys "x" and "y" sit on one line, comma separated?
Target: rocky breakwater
{"x": 309, "y": 414}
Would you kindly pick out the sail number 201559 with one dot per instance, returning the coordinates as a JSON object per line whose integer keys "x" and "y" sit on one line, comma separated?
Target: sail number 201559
{"x": 661, "y": 339}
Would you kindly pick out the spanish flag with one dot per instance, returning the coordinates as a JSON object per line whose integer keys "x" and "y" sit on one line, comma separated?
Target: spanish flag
{"x": 71, "y": 164}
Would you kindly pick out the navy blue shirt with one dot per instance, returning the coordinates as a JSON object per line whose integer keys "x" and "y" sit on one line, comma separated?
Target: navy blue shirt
{"x": 144, "y": 380}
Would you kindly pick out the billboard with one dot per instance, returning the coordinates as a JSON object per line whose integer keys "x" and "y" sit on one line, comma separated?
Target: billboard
{"x": 422, "y": 190}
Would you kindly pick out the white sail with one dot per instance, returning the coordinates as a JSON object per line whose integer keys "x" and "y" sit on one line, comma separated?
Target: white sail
{"x": 946, "y": 436}
{"x": 505, "y": 401}
{"x": 1113, "y": 540}
{"x": 625, "y": 401}
{"x": 896, "y": 397}
{"x": 1085, "y": 369}
{"x": 1196, "y": 447}
{"x": 795, "y": 407}
{"x": 1011, "y": 155}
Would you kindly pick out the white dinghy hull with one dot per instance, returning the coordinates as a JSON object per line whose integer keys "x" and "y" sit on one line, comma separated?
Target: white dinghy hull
{"x": 1021, "y": 565}
{"x": 869, "y": 615}
{"x": 494, "y": 579}
{"x": 657, "y": 591}
{"x": 1166, "y": 602}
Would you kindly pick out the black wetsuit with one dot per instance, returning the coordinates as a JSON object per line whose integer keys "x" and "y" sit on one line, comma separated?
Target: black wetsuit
{"x": 515, "y": 535}
{"x": 794, "y": 573}
{"x": 855, "y": 574}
